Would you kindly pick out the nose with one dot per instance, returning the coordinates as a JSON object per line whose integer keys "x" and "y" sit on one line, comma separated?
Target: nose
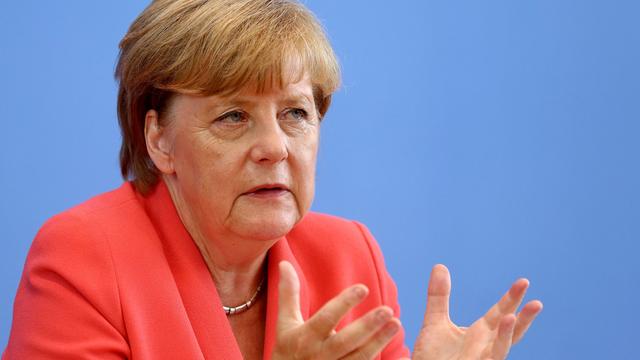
{"x": 270, "y": 146}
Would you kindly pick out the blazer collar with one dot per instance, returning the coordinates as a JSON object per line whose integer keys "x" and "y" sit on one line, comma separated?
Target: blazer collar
{"x": 196, "y": 286}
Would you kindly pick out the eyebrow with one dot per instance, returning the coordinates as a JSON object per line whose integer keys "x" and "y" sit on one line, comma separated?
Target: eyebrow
{"x": 298, "y": 98}
{"x": 292, "y": 98}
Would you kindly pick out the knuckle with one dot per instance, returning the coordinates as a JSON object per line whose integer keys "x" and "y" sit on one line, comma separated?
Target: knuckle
{"x": 370, "y": 350}
{"x": 291, "y": 345}
{"x": 338, "y": 344}
{"x": 362, "y": 355}
{"x": 323, "y": 320}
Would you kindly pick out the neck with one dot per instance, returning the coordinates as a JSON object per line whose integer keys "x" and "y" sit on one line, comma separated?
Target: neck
{"x": 235, "y": 284}
{"x": 236, "y": 264}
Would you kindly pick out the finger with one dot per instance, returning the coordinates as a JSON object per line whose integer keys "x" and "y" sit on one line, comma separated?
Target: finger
{"x": 438, "y": 295}
{"x": 508, "y": 304}
{"x": 288, "y": 297}
{"x": 525, "y": 319}
{"x": 328, "y": 317}
{"x": 376, "y": 343}
{"x": 359, "y": 332}
{"x": 502, "y": 344}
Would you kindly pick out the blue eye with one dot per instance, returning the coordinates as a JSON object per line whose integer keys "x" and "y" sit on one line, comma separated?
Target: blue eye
{"x": 233, "y": 117}
{"x": 298, "y": 114}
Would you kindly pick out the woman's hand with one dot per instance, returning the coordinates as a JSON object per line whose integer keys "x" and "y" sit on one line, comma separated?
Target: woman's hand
{"x": 490, "y": 337}
{"x": 316, "y": 338}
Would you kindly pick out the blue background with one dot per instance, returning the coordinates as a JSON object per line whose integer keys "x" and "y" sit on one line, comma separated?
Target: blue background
{"x": 498, "y": 137}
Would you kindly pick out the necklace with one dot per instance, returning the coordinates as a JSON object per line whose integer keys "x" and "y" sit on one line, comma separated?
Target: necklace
{"x": 232, "y": 310}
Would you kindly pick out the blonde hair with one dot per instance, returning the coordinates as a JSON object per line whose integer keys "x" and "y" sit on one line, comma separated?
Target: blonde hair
{"x": 209, "y": 47}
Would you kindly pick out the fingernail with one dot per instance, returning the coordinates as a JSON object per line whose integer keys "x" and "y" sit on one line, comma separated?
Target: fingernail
{"x": 383, "y": 315}
{"x": 359, "y": 292}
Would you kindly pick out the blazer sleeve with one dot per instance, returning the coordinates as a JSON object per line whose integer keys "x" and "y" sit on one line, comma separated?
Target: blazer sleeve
{"x": 396, "y": 348}
{"x": 67, "y": 304}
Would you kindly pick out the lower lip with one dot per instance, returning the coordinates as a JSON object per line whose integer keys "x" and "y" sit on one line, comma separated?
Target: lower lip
{"x": 268, "y": 194}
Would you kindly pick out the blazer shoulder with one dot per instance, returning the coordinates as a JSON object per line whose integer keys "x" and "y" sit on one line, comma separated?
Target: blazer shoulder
{"x": 77, "y": 238}
{"x": 75, "y": 244}
{"x": 97, "y": 217}
{"x": 323, "y": 238}
{"x": 105, "y": 204}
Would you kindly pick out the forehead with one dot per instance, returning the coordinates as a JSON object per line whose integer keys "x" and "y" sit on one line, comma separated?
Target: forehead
{"x": 296, "y": 89}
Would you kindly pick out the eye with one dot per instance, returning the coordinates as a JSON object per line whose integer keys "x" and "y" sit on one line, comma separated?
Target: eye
{"x": 232, "y": 117}
{"x": 297, "y": 114}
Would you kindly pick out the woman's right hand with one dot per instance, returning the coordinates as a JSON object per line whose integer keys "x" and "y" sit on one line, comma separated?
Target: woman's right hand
{"x": 316, "y": 338}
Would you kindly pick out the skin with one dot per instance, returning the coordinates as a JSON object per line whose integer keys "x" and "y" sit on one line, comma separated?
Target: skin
{"x": 213, "y": 151}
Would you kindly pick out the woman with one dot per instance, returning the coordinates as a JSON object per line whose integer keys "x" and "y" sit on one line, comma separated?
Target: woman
{"x": 210, "y": 251}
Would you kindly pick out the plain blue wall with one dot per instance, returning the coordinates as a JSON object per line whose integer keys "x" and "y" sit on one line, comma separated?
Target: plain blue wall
{"x": 497, "y": 137}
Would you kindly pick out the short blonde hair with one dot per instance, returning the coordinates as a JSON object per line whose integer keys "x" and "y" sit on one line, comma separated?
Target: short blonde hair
{"x": 209, "y": 47}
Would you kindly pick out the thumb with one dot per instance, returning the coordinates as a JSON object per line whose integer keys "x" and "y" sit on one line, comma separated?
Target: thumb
{"x": 438, "y": 296}
{"x": 288, "y": 297}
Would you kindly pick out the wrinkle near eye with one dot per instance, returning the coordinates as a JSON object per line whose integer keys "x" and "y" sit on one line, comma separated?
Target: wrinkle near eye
{"x": 298, "y": 127}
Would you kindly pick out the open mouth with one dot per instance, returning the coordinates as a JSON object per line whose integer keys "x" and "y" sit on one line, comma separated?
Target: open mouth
{"x": 268, "y": 191}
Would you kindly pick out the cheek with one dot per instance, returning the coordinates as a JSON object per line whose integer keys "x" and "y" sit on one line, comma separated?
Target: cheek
{"x": 304, "y": 172}
{"x": 191, "y": 158}
{"x": 205, "y": 164}
{"x": 219, "y": 172}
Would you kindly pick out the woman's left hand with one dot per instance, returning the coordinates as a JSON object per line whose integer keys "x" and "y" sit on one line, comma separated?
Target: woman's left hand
{"x": 490, "y": 337}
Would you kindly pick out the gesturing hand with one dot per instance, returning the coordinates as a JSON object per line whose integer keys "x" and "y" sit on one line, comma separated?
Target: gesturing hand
{"x": 316, "y": 338}
{"x": 490, "y": 337}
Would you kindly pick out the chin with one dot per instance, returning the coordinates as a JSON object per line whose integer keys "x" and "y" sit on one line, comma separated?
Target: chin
{"x": 265, "y": 226}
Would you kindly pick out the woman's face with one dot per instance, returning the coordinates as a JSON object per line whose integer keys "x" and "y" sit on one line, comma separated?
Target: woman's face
{"x": 244, "y": 164}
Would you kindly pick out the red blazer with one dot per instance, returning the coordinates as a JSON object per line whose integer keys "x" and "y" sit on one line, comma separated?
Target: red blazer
{"x": 119, "y": 277}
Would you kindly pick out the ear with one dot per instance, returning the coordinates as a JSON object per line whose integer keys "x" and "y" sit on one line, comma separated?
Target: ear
{"x": 159, "y": 145}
